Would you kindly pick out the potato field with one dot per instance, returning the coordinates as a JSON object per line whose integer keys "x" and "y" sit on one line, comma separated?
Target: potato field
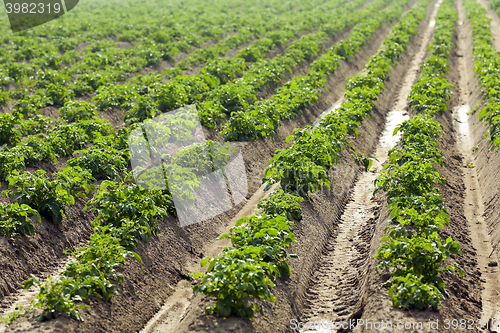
{"x": 250, "y": 166}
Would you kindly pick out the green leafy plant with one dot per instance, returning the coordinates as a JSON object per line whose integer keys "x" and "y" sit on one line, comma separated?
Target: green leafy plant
{"x": 8, "y": 132}
{"x": 65, "y": 139}
{"x": 413, "y": 251}
{"x": 21, "y": 309}
{"x": 49, "y": 198}
{"x": 101, "y": 162}
{"x": 244, "y": 276}
{"x": 34, "y": 125}
{"x": 55, "y": 298}
{"x": 115, "y": 202}
{"x": 14, "y": 220}
{"x": 281, "y": 203}
{"x": 204, "y": 158}
{"x": 77, "y": 110}
{"x": 486, "y": 66}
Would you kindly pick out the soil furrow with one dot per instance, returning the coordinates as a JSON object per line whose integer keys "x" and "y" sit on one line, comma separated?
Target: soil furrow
{"x": 336, "y": 292}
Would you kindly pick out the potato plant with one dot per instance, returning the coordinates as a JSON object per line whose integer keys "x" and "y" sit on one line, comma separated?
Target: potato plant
{"x": 14, "y": 220}
{"x": 49, "y": 198}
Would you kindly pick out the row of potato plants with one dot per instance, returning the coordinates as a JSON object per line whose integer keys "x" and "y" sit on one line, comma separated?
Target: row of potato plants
{"x": 308, "y": 163}
{"x": 55, "y": 87}
{"x": 413, "y": 250}
{"x": 35, "y": 193}
{"x": 61, "y": 140}
{"x": 243, "y": 270}
{"x": 114, "y": 237}
{"x": 183, "y": 90}
{"x": 257, "y": 254}
{"x": 486, "y": 67}
{"x": 172, "y": 23}
{"x": 126, "y": 214}
{"x": 265, "y": 116}
{"x": 106, "y": 158}
{"x": 299, "y": 19}
{"x": 100, "y": 152}
{"x": 102, "y": 67}
{"x": 227, "y": 83}
{"x": 104, "y": 85}
{"x": 102, "y": 162}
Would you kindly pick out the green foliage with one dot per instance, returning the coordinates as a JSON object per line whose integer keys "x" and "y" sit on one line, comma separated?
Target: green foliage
{"x": 270, "y": 234}
{"x": 413, "y": 251}
{"x": 94, "y": 127}
{"x": 115, "y": 96}
{"x": 410, "y": 292}
{"x": 10, "y": 162}
{"x": 118, "y": 140}
{"x": 116, "y": 202}
{"x": 486, "y": 66}
{"x": 55, "y": 298}
{"x": 9, "y": 134}
{"x": 34, "y": 125}
{"x": 170, "y": 97}
{"x": 14, "y": 220}
{"x": 101, "y": 162}
{"x": 21, "y": 309}
{"x": 29, "y": 105}
{"x": 77, "y": 110}
{"x": 281, "y": 203}
{"x": 65, "y": 139}
{"x": 49, "y": 198}
{"x": 224, "y": 69}
{"x": 42, "y": 150}
{"x": 204, "y": 158}
{"x": 244, "y": 276}
{"x": 58, "y": 95}
{"x": 308, "y": 164}
{"x": 142, "y": 110}
{"x": 263, "y": 117}
{"x": 4, "y": 97}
